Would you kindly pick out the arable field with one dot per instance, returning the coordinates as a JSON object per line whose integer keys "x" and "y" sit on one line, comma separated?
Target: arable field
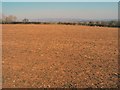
{"x": 62, "y": 56}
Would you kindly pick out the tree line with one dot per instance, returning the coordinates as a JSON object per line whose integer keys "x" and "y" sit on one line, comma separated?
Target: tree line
{"x": 13, "y": 20}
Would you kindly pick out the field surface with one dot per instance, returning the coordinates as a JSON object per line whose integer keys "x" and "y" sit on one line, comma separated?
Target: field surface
{"x": 62, "y": 56}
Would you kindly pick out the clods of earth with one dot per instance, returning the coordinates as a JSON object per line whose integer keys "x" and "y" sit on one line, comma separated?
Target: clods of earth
{"x": 59, "y": 56}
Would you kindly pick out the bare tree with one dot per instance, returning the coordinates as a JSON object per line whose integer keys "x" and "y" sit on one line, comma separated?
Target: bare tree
{"x": 8, "y": 19}
{"x": 25, "y": 20}
{"x": 113, "y": 23}
{"x": 3, "y": 18}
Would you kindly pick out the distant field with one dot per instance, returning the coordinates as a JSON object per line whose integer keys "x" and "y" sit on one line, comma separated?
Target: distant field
{"x": 63, "y": 56}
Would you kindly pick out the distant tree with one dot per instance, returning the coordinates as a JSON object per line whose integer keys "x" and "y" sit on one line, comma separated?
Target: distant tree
{"x": 0, "y": 21}
{"x": 113, "y": 23}
{"x": 8, "y": 19}
{"x": 25, "y": 20}
{"x": 3, "y": 18}
{"x": 86, "y": 23}
{"x": 14, "y": 18}
{"x": 92, "y": 23}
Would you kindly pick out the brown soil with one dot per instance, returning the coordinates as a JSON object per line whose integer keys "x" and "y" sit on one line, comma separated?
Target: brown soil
{"x": 62, "y": 56}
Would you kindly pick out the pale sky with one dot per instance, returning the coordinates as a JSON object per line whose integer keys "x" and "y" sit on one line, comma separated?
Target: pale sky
{"x": 59, "y": 0}
{"x": 83, "y": 10}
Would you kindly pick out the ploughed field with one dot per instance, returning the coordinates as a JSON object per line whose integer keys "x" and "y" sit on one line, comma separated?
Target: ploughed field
{"x": 62, "y": 56}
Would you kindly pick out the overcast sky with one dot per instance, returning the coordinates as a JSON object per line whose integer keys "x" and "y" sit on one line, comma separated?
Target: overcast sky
{"x": 83, "y": 10}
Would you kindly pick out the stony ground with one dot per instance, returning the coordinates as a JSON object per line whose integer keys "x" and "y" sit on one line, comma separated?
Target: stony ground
{"x": 62, "y": 56}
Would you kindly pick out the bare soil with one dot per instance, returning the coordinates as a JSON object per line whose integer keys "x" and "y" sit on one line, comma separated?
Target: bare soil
{"x": 59, "y": 56}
